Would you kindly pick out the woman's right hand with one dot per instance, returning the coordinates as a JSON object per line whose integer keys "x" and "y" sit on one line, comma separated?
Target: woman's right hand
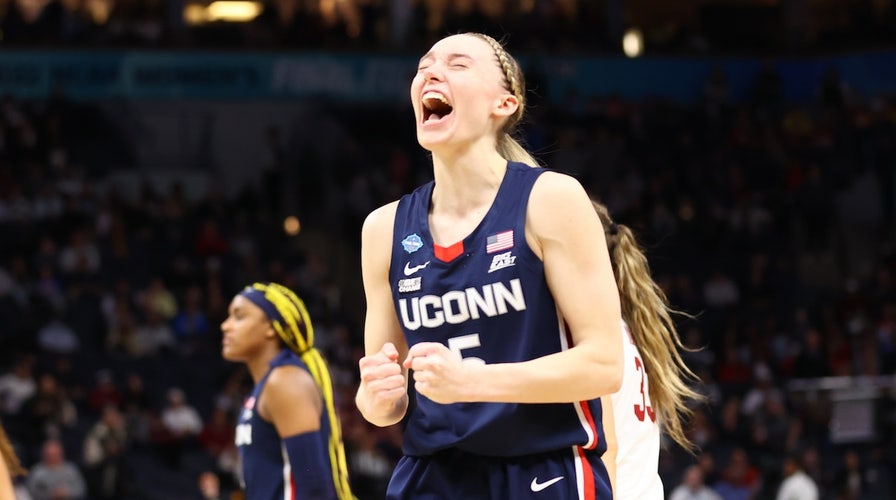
{"x": 383, "y": 385}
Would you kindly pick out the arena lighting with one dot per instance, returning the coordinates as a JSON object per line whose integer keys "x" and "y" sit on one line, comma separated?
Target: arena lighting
{"x": 633, "y": 42}
{"x": 291, "y": 225}
{"x": 231, "y": 11}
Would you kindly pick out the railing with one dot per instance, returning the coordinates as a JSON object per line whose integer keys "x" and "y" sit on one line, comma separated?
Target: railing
{"x": 859, "y": 409}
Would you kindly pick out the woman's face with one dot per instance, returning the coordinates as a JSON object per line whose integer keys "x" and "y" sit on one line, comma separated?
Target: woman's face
{"x": 245, "y": 331}
{"x": 458, "y": 93}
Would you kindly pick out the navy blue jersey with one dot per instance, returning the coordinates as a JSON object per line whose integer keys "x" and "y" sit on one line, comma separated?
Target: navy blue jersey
{"x": 485, "y": 297}
{"x": 267, "y": 473}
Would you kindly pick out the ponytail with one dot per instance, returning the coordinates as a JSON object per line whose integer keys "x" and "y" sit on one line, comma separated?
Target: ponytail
{"x": 512, "y": 150}
{"x": 646, "y": 310}
{"x": 9, "y": 456}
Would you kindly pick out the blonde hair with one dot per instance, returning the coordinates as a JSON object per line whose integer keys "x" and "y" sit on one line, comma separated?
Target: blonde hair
{"x": 646, "y": 310}
{"x": 9, "y": 456}
{"x": 514, "y": 82}
{"x": 291, "y": 321}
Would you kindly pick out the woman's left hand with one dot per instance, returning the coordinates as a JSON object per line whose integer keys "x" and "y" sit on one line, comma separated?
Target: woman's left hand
{"x": 440, "y": 374}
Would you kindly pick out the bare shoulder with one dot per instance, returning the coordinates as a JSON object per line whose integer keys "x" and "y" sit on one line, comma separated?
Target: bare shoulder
{"x": 376, "y": 241}
{"x": 552, "y": 185}
{"x": 557, "y": 196}
{"x": 292, "y": 401}
{"x": 380, "y": 220}
{"x": 288, "y": 383}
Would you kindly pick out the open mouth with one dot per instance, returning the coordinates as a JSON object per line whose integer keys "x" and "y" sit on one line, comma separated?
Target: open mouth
{"x": 435, "y": 107}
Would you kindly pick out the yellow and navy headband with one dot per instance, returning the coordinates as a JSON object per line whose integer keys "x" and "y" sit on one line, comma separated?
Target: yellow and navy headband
{"x": 286, "y": 311}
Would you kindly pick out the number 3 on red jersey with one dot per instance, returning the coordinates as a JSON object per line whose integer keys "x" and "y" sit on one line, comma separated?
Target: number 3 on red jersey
{"x": 644, "y": 407}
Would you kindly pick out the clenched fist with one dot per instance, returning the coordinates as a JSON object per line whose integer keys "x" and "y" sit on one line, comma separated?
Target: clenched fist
{"x": 440, "y": 374}
{"x": 382, "y": 382}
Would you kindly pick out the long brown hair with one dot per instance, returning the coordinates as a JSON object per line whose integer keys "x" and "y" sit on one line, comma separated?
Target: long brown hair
{"x": 9, "y": 456}
{"x": 514, "y": 82}
{"x": 646, "y": 310}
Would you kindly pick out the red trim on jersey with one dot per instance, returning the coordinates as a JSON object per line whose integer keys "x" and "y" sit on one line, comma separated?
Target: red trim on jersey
{"x": 586, "y": 410}
{"x": 292, "y": 486}
{"x": 587, "y": 475}
{"x": 447, "y": 254}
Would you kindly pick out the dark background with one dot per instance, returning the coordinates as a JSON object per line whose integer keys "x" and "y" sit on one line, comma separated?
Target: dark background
{"x": 763, "y": 196}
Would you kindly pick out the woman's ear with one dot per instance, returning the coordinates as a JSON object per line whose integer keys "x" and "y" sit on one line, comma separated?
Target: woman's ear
{"x": 270, "y": 332}
{"x": 506, "y": 105}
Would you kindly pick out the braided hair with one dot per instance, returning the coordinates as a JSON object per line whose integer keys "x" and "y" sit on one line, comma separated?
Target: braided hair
{"x": 515, "y": 83}
{"x": 290, "y": 319}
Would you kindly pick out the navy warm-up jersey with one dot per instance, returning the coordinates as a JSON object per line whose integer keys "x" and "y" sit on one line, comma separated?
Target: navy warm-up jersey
{"x": 486, "y": 298}
{"x": 267, "y": 473}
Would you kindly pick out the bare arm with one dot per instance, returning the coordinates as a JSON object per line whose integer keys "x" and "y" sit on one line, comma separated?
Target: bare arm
{"x": 382, "y": 396}
{"x": 563, "y": 228}
{"x": 291, "y": 401}
{"x": 609, "y": 426}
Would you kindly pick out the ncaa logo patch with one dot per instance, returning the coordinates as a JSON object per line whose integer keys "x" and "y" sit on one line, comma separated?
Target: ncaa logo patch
{"x": 412, "y": 243}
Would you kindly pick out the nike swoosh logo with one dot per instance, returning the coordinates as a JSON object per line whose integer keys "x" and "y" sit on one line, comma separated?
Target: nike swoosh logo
{"x": 408, "y": 270}
{"x": 536, "y": 486}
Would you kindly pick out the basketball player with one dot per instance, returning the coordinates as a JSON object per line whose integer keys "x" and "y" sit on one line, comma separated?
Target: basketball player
{"x": 493, "y": 284}
{"x": 9, "y": 466}
{"x": 654, "y": 388}
{"x": 288, "y": 435}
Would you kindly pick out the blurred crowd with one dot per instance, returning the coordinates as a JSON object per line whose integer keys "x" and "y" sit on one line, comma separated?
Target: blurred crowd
{"x": 770, "y": 224}
{"x": 558, "y": 25}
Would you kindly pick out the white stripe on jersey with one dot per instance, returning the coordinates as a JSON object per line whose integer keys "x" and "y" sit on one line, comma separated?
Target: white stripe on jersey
{"x": 288, "y": 494}
{"x": 580, "y": 473}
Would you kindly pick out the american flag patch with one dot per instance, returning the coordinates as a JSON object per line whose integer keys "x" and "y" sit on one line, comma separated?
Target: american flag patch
{"x": 500, "y": 241}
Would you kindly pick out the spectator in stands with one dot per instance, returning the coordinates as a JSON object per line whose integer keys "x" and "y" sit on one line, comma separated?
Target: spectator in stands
{"x": 47, "y": 413}
{"x": 154, "y": 335}
{"x": 80, "y": 255}
{"x": 158, "y": 299}
{"x": 104, "y": 393}
{"x": 190, "y": 325}
{"x": 122, "y": 338}
{"x": 136, "y": 405}
{"x": 57, "y": 337}
{"x": 217, "y": 432}
{"x": 104, "y": 451}
{"x": 19, "y": 385}
{"x": 55, "y": 478}
{"x": 740, "y": 480}
{"x": 692, "y": 487}
{"x": 849, "y": 482}
{"x": 370, "y": 465}
{"x": 797, "y": 485}
{"x": 182, "y": 424}
{"x": 209, "y": 486}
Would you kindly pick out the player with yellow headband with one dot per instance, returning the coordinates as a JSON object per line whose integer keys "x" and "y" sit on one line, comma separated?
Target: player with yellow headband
{"x": 288, "y": 434}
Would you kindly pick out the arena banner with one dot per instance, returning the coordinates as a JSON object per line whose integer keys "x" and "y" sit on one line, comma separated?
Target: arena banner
{"x": 158, "y": 75}
{"x": 246, "y": 75}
